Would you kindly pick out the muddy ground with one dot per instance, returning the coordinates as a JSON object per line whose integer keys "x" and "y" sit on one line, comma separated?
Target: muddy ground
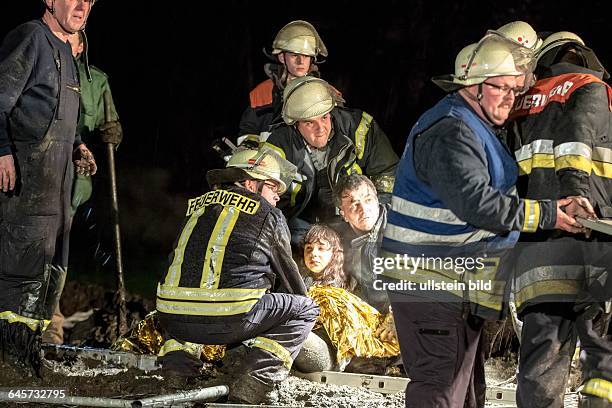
{"x": 97, "y": 328}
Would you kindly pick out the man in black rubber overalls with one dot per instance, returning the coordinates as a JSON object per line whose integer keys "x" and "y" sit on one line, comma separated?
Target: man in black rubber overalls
{"x": 39, "y": 107}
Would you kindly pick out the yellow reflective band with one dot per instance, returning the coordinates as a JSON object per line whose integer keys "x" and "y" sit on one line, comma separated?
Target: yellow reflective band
{"x": 174, "y": 272}
{"x": 546, "y": 287}
{"x": 537, "y": 161}
{"x": 602, "y": 169}
{"x": 273, "y": 347}
{"x": 574, "y": 162}
{"x": 295, "y": 189}
{"x": 215, "y": 252}
{"x": 205, "y": 309}
{"x": 174, "y": 345}
{"x": 277, "y": 149}
{"x": 224, "y": 198}
{"x": 598, "y": 387}
{"x": 532, "y": 215}
{"x": 33, "y": 324}
{"x": 209, "y": 295}
{"x": 360, "y": 134}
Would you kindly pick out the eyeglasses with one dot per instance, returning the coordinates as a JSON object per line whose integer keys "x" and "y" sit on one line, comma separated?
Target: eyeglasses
{"x": 505, "y": 89}
{"x": 272, "y": 186}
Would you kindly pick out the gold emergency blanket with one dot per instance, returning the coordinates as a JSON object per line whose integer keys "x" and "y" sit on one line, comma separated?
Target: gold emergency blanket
{"x": 146, "y": 338}
{"x": 350, "y": 324}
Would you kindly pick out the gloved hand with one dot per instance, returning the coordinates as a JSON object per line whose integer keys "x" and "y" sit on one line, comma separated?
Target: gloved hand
{"x": 111, "y": 132}
{"x": 386, "y": 330}
{"x": 84, "y": 161}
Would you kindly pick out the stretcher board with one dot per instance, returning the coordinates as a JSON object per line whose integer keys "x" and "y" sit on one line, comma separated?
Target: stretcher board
{"x": 601, "y": 225}
{"x": 107, "y": 357}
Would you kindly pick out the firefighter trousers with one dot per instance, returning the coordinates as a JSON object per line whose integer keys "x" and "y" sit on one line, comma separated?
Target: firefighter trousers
{"x": 273, "y": 331}
{"x": 441, "y": 347}
{"x": 548, "y": 343}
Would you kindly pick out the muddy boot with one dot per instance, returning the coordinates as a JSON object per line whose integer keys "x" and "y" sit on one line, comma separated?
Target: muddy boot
{"x": 247, "y": 389}
{"x": 180, "y": 364}
{"x": 233, "y": 359}
{"x": 20, "y": 346}
{"x": 55, "y": 330}
{"x": 315, "y": 355}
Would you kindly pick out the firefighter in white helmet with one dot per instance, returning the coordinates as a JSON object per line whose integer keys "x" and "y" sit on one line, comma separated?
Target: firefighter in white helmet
{"x": 327, "y": 142}
{"x": 232, "y": 279}
{"x": 564, "y": 146}
{"x": 524, "y": 35}
{"x": 296, "y": 52}
{"x": 454, "y": 216}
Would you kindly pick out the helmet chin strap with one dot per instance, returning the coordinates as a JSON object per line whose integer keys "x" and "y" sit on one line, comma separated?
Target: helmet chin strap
{"x": 478, "y": 100}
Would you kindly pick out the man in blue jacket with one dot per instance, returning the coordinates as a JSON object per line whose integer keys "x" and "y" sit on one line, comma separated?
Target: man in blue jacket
{"x": 454, "y": 214}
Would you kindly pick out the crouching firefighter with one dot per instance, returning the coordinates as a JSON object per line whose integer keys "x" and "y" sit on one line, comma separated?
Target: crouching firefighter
{"x": 232, "y": 279}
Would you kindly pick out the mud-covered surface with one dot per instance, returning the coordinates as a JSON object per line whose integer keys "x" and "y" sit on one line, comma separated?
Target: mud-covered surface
{"x": 91, "y": 321}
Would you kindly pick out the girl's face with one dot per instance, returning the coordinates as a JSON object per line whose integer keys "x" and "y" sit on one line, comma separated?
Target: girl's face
{"x": 317, "y": 255}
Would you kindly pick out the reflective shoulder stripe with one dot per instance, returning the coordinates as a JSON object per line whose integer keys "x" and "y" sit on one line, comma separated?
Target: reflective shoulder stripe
{"x": 361, "y": 132}
{"x": 205, "y": 309}
{"x": 174, "y": 272}
{"x": 215, "y": 252}
{"x": 33, "y": 324}
{"x": 295, "y": 189}
{"x": 174, "y": 345}
{"x": 415, "y": 210}
{"x": 277, "y": 149}
{"x": 598, "y": 387}
{"x": 532, "y": 215}
{"x": 273, "y": 347}
{"x": 413, "y": 237}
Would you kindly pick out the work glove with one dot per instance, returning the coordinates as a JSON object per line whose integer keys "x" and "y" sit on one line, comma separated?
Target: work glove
{"x": 386, "y": 329}
{"x": 111, "y": 132}
{"x": 84, "y": 161}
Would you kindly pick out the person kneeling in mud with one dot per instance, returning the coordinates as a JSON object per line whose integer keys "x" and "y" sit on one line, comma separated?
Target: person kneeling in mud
{"x": 230, "y": 263}
{"x": 348, "y": 328}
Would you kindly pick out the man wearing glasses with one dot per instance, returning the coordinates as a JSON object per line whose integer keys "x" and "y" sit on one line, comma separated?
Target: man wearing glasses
{"x": 454, "y": 215}
{"x": 230, "y": 263}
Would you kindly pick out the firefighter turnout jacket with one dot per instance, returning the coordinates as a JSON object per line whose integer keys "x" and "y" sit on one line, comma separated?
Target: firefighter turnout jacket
{"x": 233, "y": 248}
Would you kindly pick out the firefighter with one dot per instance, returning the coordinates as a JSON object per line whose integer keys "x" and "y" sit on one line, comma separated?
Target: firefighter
{"x": 327, "y": 142}
{"x": 232, "y": 278}
{"x": 39, "y": 108}
{"x": 454, "y": 214}
{"x": 563, "y": 129}
{"x": 295, "y": 53}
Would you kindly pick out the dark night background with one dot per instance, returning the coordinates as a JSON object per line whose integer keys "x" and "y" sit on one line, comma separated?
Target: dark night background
{"x": 180, "y": 73}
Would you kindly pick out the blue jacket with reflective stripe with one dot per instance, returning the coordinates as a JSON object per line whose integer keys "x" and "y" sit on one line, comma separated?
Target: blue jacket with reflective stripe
{"x": 419, "y": 223}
